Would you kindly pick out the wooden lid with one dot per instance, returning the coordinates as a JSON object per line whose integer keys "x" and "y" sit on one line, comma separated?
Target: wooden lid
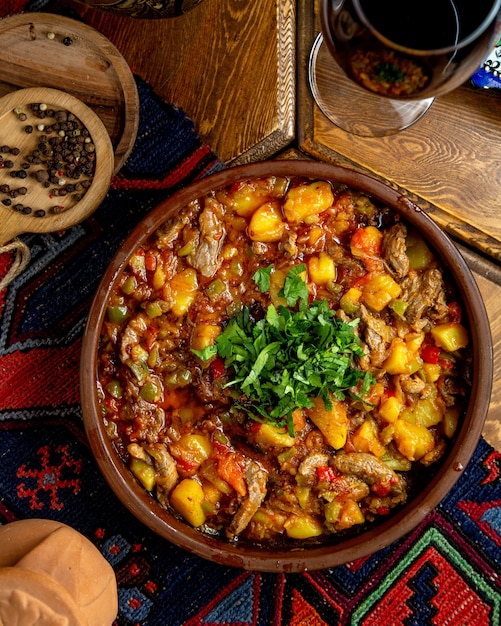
{"x": 46, "y": 50}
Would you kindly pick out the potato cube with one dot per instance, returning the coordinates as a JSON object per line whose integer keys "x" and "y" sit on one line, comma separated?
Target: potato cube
{"x": 424, "y": 412}
{"x": 390, "y": 409}
{"x": 366, "y": 241}
{"x": 350, "y": 516}
{"x": 332, "y": 423}
{"x": 268, "y": 435}
{"x": 412, "y": 440}
{"x": 302, "y": 526}
{"x": 322, "y": 269}
{"x": 432, "y": 372}
{"x": 186, "y": 499}
{"x": 380, "y": 290}
{"x": 246, "y": 196}
{"x": 398, "y": 359}
{"x": 204, "y": 335}
{"x": 266, "y": 223}
{"x": 366, "y": 439}
{"x": 451, "y": 336}
{"x": 184, "y": 287}
{"x": 193, "y": 449}
{"x": 307, "y": 201}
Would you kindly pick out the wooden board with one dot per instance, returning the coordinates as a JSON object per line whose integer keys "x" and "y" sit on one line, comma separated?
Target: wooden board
{"x": 230, "y": 65}
{"x": 449, "y": 162}
{"x": 45, "y": 50}
{"x": 48, "y": 210}
{"x": 491, "y": 294}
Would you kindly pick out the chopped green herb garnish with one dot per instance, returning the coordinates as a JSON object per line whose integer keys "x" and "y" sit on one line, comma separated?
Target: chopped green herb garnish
{"x": 294, "y": 288}
{"x": 291, "y": 356}
{"x": 262, "y": 278}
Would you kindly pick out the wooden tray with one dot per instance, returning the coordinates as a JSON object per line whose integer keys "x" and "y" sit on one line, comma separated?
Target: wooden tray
{"x": 230, "y": 66}
{"x": 45, "y": 50}
{"x": 449, "y": 162}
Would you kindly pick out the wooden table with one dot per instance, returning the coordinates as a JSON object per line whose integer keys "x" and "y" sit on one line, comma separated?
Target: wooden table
{"x": 230, "y": 65}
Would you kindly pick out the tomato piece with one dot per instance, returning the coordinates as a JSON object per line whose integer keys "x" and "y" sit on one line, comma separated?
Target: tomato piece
{"x": 366, "y": 240}
{"x": 150, "y": 262}
{"x": 383, "y": 510}
{"x": 455, "y": 312}
{"x": 326, "y": 474}
{"x": 217, "y": 367}
{"x": 231, "y": 469}
{"x": 430, "y": 354}
{"x": 381, "y": 489}
{"x": 150, "y": 336}
{"x": 446, "y": 364}
{"x": 111, "y": 404}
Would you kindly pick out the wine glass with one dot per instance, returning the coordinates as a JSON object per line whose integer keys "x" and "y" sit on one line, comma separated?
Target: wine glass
{"x": 377, "y": 66}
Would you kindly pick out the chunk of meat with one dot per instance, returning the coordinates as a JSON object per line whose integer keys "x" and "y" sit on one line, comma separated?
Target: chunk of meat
{"x": 372, "y": 471}
{"x": 449, "y": 389}
{"x": 411, "y": 384}
{"x": 394, "y": 249}
{"x": 289, "y": 245}
{"x": 166, "y": 475}
{"x": 255, "y": 477}
{"x": 309, "y": 465}
{"x": 205, "y": 257}
{"x": 422, "y": 292}
{"x": 132, "y": 336}
{"x": 377, "y": 336}
{"x": 170, "y": 230}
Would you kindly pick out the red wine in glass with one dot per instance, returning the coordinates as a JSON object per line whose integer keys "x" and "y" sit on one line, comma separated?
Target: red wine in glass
{"x": 401, "y": 54}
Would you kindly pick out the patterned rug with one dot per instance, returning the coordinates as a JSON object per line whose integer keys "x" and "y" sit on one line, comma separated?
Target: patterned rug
{"x": 446, "y": 572}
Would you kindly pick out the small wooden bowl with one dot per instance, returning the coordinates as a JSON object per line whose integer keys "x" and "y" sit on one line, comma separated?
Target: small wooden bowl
{"x": 70, "y": 210}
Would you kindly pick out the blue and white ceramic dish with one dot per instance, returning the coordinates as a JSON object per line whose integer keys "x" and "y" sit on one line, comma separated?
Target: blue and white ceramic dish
{"x": 488, "y": 76}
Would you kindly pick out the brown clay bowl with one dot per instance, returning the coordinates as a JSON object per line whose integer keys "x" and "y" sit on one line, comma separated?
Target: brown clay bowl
{"x": 159, "y": 520}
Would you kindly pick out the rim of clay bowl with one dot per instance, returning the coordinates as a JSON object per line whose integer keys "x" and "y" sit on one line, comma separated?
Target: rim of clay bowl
{"x": 160, "y": 521}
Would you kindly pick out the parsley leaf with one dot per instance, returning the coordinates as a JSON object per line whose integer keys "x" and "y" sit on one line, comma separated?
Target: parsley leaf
{"x": 294, "y": 288}
{"x": 291, "y": 356}
{"x": 262, "y": 278}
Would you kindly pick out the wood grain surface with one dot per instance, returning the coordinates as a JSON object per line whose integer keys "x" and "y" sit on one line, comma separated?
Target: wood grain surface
{"x": 449, "y": 161}
{"x": 46, "y": 50}
{"x": 229, "y": 64}
{"x": 37, "y": 196}
{"x": 491, "y": 294}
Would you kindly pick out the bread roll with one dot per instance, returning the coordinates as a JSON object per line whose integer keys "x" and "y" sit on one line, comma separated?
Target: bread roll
{"x": 51, "y": 574}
